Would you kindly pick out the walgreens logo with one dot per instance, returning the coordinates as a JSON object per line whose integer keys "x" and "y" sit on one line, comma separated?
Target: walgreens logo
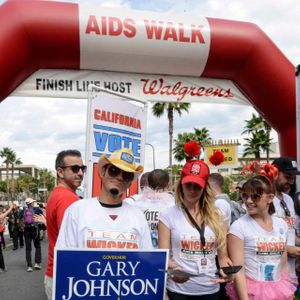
{"x": 159, "y": 87}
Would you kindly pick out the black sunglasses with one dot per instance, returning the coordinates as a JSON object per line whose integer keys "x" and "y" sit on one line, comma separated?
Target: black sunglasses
{"x": 114, "y": 172}
{"x": 254, "y": 197}
{"x": 75, "y": 168}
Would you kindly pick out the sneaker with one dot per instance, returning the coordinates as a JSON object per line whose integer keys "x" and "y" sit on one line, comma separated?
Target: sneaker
{"x": 29, "y": 269}
{"x": 37, "y": 266}
{"x": 3, "y": 270}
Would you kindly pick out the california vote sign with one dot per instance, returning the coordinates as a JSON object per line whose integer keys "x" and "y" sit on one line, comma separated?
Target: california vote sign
{"x": 115, "y": 275}
{"x": 112, "y": 123}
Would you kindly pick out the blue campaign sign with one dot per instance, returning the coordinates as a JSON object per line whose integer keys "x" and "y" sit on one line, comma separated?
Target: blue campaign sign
{"x": 115, "y": 275}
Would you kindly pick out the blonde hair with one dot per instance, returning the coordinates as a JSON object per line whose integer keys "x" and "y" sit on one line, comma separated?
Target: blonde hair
{"x": 208, "y": 213}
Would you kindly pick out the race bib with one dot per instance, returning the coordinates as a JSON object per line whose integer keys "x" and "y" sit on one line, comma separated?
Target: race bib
{"x": 268, "y": 272}
{"x": 268, "y": 255}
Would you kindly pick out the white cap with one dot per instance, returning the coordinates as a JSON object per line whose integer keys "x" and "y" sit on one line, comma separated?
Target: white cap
{"x": 29, "y": 200}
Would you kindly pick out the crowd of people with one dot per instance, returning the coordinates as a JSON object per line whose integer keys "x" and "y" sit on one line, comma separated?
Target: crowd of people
{"x": 23, "y": 227}
{"x": 245, "y": 249}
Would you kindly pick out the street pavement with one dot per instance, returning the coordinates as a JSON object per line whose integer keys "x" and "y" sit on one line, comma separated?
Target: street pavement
{"x": 17, "y": 283}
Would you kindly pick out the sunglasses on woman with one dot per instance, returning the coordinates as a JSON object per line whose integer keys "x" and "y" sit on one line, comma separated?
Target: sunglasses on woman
{"x": 113, "y": 171}
{"x": 254, "y": 197}
{"x": 75, "y": 168}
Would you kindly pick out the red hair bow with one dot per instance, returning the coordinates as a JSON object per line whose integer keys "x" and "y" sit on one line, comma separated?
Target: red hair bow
{"x": 192, "y": 149}
{"x": 217, "y": 158}
{"x": 264, "y": 169}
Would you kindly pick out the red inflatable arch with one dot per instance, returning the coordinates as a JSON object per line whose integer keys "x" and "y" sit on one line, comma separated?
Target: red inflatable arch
{"x": 41, "y": 34}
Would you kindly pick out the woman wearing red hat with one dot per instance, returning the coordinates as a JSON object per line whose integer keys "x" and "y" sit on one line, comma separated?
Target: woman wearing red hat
{"x": 194, "y": 231}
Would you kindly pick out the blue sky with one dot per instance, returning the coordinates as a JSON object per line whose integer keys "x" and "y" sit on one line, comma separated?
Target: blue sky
{"x": 37, "y": 129}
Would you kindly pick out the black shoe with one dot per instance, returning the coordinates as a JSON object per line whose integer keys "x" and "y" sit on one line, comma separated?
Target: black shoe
{"x": 15, "y": 248}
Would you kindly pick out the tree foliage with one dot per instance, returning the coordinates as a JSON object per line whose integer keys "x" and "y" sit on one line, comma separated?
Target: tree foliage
{"x": 158, "y": 110}
{"x": 259, "y": 137}
{"x": 201, "y": 135}
{"x": 2, "y": 186}
{"x": 10, "y": 159}
{"x": 24, "y": 184}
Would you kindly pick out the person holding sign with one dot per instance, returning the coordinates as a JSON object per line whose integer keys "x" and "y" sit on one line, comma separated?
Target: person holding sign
{"x": 258, "y": 242}
{"x": 105, "y": 221}
{"x": 194, "y": 231}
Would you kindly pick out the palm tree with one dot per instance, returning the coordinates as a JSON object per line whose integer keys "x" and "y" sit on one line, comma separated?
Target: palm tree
{"x": 176, "y": 171}
{"x": 47, "y": 181}
{"x": 8, "y": 155}
{"x": 259, "y": 130}
{"x": 253, "y": 145}
{"x": 27, "y": 185}
{"x": 2, "y": 186}
{"x": 14, "y": 161}
{"x": 182, "y": 138}
{"x": 158, "y": 110}
{"x": 202, "y": 136}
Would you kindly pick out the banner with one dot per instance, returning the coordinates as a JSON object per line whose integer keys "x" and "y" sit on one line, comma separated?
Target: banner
{"x": 230, "y": 154}
{"x": 113, "y": 275}
{"x": 147, "y": 87}
{"x": 169, "y": 38}
{"x": 112, "y": 124}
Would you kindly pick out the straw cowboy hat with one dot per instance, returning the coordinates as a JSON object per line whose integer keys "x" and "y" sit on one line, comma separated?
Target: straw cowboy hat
{"x": 122, "y": 159}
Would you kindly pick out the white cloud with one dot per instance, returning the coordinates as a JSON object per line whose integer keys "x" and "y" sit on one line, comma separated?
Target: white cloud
{"x": 37, "y": 128}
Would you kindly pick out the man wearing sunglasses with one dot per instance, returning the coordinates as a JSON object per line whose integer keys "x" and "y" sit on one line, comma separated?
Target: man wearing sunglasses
{"x": 70, "y": 170}
{"x": 284, "y": 204}
{"x": 106, "y": 221}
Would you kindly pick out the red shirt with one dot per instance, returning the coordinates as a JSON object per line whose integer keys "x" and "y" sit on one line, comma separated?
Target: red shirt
{"x": 59, "y": 200}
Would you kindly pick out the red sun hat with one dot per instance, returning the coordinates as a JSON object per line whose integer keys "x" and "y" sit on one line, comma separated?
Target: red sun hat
{"x": 195, "y": 171}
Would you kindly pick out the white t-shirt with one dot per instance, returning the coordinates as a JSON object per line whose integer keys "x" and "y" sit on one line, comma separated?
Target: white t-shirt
{"x": 225, "y": 209}
{"x": 291, "y": 222}
{"x": 152, "y": 203}
{"x": 87, "y": 224}
{"x": 186, "y": 251}
{"x": 262, "y": 249}
{"x": 132, "y": 199}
